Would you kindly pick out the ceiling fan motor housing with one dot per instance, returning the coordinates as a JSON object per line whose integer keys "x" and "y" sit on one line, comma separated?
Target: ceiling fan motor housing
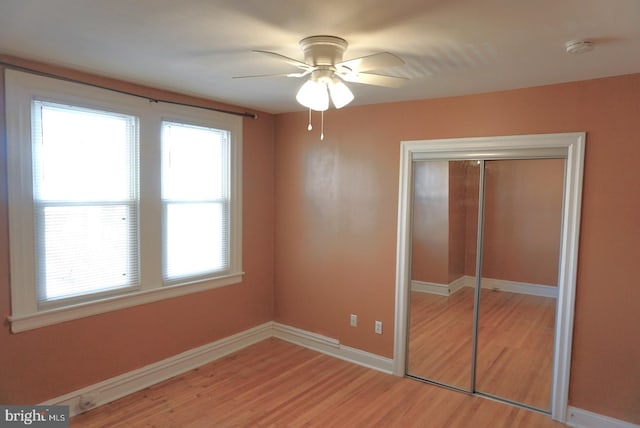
{"x": 323, "y": 50}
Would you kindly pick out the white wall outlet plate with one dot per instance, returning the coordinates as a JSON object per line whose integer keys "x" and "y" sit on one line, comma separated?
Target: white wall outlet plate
{"x": 378, "y": 327}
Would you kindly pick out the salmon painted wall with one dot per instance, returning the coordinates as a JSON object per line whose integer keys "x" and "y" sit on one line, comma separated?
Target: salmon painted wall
{"x": 430, "y": 240}
{"x": 41, "y": 364}
{"x": 336, "y": 219}
{"x": 457, "y": 218}
{"x": 522, "y": 218}
{"x": 439, "y": 220}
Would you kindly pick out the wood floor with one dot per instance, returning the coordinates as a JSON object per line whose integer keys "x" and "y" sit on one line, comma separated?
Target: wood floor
{"x": 515, "y": 343}
{"x": 278, "y": 384}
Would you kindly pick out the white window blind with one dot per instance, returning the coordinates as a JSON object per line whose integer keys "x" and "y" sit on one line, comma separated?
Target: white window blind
{"x": 85, "y": 200}
{"x": 195, "y": 198}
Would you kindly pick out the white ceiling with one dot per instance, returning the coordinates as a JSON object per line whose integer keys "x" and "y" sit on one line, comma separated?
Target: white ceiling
{"x": 451, "y": 47}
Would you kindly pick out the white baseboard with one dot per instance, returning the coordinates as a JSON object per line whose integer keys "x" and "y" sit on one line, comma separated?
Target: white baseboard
{"x": 457, "y": 284}
{"x": 136, "y": 380}
{"x": 332, "y": 347}
{"x": 584, "y": 419}
{"x": 430, "y": 287}
{"x": 514, "y": 287}
{"x": 117, "y": 387}
{"x": 437, "y": 288}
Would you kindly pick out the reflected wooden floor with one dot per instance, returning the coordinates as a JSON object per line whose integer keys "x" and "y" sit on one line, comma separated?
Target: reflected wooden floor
{"x": 278, "y": 384}
{"x": 515, "y": 343}
{"x": 440, "y": 337}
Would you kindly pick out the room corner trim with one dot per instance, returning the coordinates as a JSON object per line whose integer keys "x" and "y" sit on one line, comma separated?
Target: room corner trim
{"x": 431, "y": 287}
{"x": 332, "y": 347}
{"x": 438, "y": 288}
{"x": 116, "y": 387}
{"x": 514, "y": 287}
{"x": 580, "y": 418}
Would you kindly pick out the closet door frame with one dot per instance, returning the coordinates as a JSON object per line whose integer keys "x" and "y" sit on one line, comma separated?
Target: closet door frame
{"x": 565, "y": 145}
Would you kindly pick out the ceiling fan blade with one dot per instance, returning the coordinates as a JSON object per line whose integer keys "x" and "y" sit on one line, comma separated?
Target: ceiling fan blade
{"x": 370, "y": 62}
{"x": 286, "y": 59}
{"x": 302, "y": 74}
{"x": 374, "y": 79}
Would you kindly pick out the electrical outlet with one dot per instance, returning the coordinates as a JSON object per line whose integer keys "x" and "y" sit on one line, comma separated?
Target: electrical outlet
{"x": 378, "y": 327}
{"x": 353, "y": 321}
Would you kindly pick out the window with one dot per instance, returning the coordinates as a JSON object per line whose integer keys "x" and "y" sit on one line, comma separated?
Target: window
{"x": 115, "y": 201}
{"x": 195, "y": 199}
{"x": 84, "y": 201}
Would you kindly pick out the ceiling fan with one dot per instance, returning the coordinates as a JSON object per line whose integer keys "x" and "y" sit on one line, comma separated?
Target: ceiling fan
{"x": 327, "y": 71}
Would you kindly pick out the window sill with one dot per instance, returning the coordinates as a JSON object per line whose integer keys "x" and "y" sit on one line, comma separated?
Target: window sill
{"x": 54, "y": 316}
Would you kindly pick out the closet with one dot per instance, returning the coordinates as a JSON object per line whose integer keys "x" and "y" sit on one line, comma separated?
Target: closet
{"x": 487, "y": 255}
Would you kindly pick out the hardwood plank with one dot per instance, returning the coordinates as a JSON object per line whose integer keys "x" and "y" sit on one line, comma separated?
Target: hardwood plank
{"x": 275, "y": 383}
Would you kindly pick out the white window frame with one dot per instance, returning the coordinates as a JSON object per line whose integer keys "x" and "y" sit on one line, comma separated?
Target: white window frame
{"x": 20, "y": 89}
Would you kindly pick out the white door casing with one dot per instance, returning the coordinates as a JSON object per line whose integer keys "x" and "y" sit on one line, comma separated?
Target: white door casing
{"x": 571, "y": 146}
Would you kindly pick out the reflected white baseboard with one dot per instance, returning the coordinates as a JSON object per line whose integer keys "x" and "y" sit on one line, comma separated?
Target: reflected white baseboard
{"x": 513, "y": 287}
{"x": 431, "y": 287}
{"x": 487, "y": 283}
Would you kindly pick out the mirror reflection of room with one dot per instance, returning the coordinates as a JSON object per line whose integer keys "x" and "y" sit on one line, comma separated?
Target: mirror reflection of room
{"x": 521, "y": 246}
{"x": 444, "y": 230}
{"x": 522, "y": 202}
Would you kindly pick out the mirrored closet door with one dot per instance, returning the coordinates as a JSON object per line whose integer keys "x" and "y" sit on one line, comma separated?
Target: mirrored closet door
{"x": 445, "y": 210}
{"x": 484, "y": 273}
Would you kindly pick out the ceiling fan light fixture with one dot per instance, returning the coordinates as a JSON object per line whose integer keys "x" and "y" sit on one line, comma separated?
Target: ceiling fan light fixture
{"x": 340, "y": 93}
{"x": 313, "y": 95}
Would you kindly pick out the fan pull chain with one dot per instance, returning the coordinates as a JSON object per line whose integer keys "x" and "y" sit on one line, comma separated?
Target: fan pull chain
{"x": 322, "y": 126}
{"x": 309, "y": 127}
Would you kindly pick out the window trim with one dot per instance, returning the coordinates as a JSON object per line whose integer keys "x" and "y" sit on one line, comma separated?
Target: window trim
{"x": 20, "y": 89}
